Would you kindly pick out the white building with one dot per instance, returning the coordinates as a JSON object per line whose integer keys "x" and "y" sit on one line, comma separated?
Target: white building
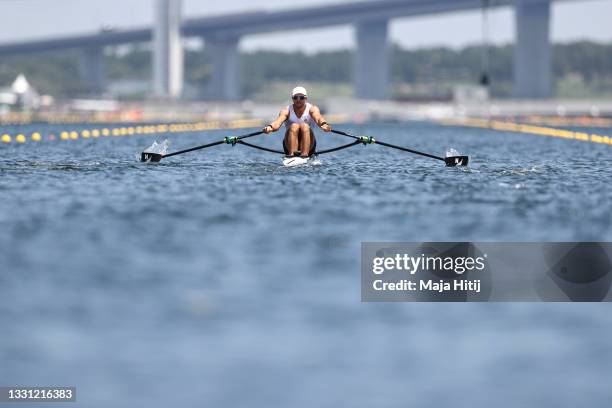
{"x": 20, "y": 95}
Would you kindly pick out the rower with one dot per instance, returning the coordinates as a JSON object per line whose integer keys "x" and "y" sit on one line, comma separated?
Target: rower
{"x": 298, "y": 118}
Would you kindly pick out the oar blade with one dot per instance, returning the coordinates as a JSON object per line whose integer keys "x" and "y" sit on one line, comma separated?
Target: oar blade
{"x": 453, "y": 161}
{"x": 150, "y": 157}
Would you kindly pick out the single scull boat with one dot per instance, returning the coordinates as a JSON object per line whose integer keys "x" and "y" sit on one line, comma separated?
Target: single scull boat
{"x": 292, "y": 161}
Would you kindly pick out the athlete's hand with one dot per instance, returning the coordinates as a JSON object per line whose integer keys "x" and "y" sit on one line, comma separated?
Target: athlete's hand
{"x": 268, "y": 129}
{"x": 326, "y": 128}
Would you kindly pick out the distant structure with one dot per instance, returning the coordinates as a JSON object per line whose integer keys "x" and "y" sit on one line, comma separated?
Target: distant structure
{"x": 221, "y": 34}
{"x": 532, "y": 51}
{"x": 371, "y": 60}
{"x": 167, "y": 49}
{"x": 91, "y": 68}
{"x": 20, "y": 94}
{"x": 225, "y": 81}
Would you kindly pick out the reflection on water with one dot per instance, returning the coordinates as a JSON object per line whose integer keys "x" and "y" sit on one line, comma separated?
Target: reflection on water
{"x": 220, "y": 277}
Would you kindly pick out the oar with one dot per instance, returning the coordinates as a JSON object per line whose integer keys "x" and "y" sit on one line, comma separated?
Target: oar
{"x": 450, "y": 161}
{"x": 155, "y": 157}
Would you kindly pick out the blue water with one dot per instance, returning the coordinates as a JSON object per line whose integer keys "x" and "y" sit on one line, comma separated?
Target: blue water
{"x": 219, "y": 278}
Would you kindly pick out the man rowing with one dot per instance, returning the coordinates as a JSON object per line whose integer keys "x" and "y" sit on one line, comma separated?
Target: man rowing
{"x": 299, "y": 118}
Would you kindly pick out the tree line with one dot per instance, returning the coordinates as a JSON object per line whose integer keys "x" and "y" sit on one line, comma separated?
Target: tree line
{"x": 58, "y": 73}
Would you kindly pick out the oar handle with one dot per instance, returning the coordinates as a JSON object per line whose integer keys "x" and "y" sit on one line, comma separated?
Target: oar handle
{"x": 344, "y": 134}
{"x": 259, "y": 132}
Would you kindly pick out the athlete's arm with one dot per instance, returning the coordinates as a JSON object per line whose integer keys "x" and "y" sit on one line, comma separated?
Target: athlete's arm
{"x": 274, "y": 126}
{"x": 315, "y": 114}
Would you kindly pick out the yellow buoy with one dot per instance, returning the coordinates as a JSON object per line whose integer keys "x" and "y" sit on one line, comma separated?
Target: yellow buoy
{"x": 95, "y": 133}
{"x": 74, "y": 135}
{"x": 116, "y": 132}
{"x": 86, "y": 134}
{"x": 20, "y": 138}
{"x": 105, "y": 132}
{"x": 6, "y": 139}
{"x": 36, "y": 137}
{"x": 64, "y": 136}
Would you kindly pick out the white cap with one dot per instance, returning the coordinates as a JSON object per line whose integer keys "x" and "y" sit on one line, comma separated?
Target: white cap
{"x": 299, "y": 90}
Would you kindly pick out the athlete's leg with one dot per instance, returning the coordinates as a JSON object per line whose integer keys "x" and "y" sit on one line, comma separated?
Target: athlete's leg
{"x": 291, "y": 138}
{"x": 313, "y": 143}
{"x": 305, "y": 139}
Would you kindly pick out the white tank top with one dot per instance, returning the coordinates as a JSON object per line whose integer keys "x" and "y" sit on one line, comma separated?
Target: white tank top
{"x": 305, "y": 118}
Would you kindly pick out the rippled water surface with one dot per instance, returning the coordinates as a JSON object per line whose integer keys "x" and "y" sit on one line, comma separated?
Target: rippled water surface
{"x": 221, "y": 278}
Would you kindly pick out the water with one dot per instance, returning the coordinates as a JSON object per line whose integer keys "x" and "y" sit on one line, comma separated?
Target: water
{"x": 220, "y": 278}
{"x": 159, "y": 147}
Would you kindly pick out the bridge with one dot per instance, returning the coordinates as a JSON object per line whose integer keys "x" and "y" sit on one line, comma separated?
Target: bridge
{"x": 221, "y": 34}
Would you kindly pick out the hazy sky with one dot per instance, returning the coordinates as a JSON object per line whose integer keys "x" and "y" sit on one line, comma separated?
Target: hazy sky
{"x": 24, "y": 19}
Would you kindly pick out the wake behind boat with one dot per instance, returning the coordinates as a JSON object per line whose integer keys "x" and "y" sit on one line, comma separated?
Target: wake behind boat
{"x": 294, "y": 161}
